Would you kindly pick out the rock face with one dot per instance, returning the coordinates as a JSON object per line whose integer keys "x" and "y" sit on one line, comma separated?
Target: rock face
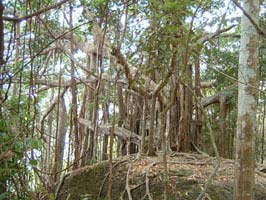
{"x": 143, "y": 177}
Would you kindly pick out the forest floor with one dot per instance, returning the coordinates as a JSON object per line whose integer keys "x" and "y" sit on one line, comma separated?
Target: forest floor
{"x": 142, "y": 177}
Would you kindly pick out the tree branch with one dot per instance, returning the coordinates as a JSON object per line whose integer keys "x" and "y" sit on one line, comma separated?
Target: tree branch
{"x": 256, "y": 26}
{"x": 105, "y": 129}
{"x": 19, "y": 19}
{"x": 209, "y": 36}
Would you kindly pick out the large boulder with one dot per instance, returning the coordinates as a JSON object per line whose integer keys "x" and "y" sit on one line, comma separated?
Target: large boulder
{"x": 143, "y": 176}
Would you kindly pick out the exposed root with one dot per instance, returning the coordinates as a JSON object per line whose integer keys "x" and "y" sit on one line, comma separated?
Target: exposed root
{"x": 147, "y": 181}
{"x": 107, "y": 175}
{"x": 127, "y": 184}
{"x": 60, "y": 185}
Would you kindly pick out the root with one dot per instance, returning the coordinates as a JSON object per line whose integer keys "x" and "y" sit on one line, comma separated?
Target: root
{"x": 147, "y": 182}
{"x": 107, "y": 175}
{"x": 127, "y": 184}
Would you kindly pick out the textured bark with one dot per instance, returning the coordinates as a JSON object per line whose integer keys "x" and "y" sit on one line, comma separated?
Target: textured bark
{"x": 185, "y": 112}
{"x": 247, "y": 104}
{"x": 174, "y": 125}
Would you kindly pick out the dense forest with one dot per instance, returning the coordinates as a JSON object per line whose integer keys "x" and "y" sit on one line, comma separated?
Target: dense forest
{"x": 82, "y": 82}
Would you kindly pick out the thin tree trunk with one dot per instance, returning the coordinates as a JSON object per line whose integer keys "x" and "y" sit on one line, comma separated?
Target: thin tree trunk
{"x": 111, "y": 159}
{"x": 83, "y": 130}
{"x": 144, "y": 124}
{"x": 247, "y": 105}
{"x": 121, "y": 119}
{"x": 91, "y": 94}
{"x": 48, "y": 140}
{"x": 74, "y": 106}
{"x": 198, "y": 117}
{"x": 17, "y": 54}
{"x": 185, "y": 112}
{"x": 223, "y": 128}
{"x": 151, "y": 148}
{"x": 105, "y": 137}
{"x": 174, "y": 125}
{"x": 164, "y": 149}
{"x": 263, "y": 132}
{"x": 62, "y": 129}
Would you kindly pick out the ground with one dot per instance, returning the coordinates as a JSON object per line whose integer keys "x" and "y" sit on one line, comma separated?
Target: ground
{"x": 141, "y": 178}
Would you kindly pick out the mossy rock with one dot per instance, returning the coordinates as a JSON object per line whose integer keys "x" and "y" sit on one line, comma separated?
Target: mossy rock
{"x": 186, "y": 180}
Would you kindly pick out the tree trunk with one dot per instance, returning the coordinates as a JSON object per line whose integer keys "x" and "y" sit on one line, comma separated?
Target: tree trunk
{"x": 121, "y": 118}
{"x": 106, "y": 120}
{"x": 223, "y": 127}
{"x": 151, "y": 148}
{"x": 247, "y": 104}
{"x": 83, "y": 130}
{"x": 143, "y": 128}
{"x": 185, "y": 112}
{"x": 263, "y": 132}
{"x": 60, "y": 140}
{"x": 198, "y": 117}
{"x": 74, "y": 106}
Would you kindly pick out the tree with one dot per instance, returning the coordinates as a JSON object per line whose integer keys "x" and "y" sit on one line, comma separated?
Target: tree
{"x": 247, "y": 104}
{"x": 58, "y": 98}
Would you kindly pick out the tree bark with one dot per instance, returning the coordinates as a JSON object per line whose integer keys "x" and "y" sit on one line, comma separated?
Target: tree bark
{"x": 247, "y": 104}
{"x": 62, "y": 130}
{"x": 74, "y": 106}
{"x": 198, "y": 117}
{"x": 144, "y": 124}
{"x": 185, "y": 112}
{"x": 151, "y": 148}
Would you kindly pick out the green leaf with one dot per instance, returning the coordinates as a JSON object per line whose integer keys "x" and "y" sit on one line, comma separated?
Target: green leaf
{"x": 34, "y": 143}
{"x": 33, "y": 162}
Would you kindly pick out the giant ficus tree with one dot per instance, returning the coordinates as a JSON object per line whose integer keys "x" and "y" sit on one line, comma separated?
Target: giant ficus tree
{"x": 81, "y": 76}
